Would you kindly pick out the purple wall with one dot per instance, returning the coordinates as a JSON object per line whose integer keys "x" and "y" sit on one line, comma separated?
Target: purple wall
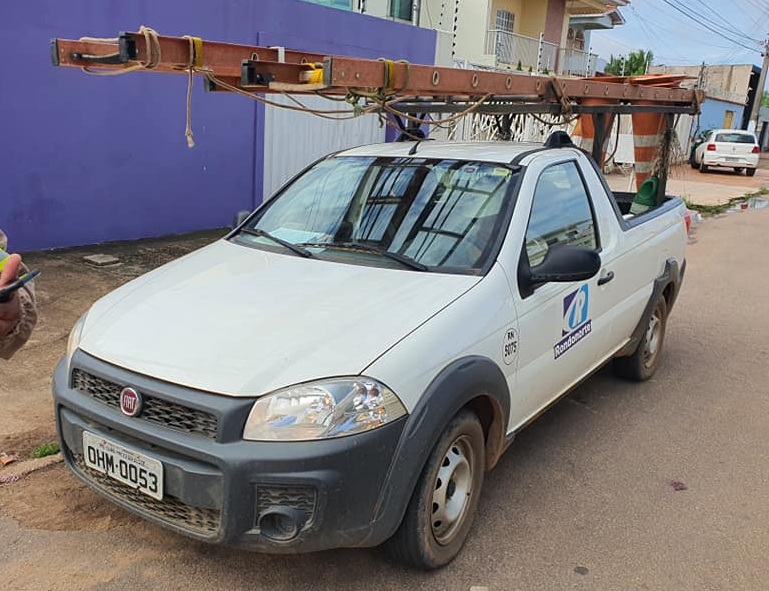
{"x": 87, "y": 159}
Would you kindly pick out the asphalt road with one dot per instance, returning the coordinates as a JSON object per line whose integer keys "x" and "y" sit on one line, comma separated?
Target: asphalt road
{"x": 660, "y": 486}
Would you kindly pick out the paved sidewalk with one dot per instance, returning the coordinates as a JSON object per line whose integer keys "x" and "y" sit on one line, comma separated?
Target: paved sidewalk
{"x": 712, "y": 188}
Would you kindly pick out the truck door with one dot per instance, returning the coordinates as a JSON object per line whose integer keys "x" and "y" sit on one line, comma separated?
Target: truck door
{"x": 557, "y": 344}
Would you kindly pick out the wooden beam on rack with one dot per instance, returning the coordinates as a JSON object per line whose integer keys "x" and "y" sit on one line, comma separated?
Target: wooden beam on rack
{"x": 221, "y": 59}
{"x": 434, "y": 80}
{"x": 271, "y": 69}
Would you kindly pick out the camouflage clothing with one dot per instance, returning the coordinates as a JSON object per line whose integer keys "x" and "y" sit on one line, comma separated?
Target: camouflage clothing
{"x": 14, "y": 340}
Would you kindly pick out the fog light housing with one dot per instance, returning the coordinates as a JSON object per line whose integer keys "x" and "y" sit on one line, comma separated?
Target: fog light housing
{"x": 281, "y": 524}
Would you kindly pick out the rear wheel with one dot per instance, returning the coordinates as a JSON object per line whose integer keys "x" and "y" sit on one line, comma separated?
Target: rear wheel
{"x": 642, "y": 364}
{"x": 750, "y": 171}
{"x": 444, "y": 501}
{"x": 703, "y": 167}
{"x": 738, "y": 170}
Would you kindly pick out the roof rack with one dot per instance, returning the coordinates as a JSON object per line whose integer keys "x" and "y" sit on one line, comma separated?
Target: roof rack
{"x": 401, "y": 93}
{"x": 420, "y": 88}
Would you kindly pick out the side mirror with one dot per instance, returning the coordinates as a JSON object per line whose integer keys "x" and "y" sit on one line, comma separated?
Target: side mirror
{"x": 240, "y": 217}
{"x": 565, "y": 263}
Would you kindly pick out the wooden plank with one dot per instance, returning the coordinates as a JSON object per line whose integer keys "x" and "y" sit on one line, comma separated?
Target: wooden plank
{"x": 435, "y": 81}
{"x": 65, "y": 52}
{"x": 223, "y": 59}
{"x": 430, "y": 80}
{"x": 341, "y": 74}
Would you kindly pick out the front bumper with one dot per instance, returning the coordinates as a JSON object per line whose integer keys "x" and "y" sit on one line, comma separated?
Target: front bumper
{"x": 217, "y": 487}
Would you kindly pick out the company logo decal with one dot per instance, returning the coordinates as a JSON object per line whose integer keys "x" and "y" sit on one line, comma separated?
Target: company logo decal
{"x": 130, "y": 402}
{"x": 576, "y": 320}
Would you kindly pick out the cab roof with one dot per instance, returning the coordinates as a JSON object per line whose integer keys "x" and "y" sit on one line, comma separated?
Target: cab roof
{"x": 499, "y": 152}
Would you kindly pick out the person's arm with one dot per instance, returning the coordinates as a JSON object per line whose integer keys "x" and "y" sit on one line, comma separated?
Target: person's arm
{"x": 19, "y": 315}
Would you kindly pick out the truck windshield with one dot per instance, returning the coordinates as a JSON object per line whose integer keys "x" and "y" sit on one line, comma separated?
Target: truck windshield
{"x": 422, "y": 214}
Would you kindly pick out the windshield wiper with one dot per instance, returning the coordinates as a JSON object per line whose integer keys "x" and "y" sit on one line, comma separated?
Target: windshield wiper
{"x": 401, "y": 258}
{"x": 302, "y": 252}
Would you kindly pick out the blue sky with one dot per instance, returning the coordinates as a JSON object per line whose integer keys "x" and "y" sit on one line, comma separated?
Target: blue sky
{"x": 675, "y": 39}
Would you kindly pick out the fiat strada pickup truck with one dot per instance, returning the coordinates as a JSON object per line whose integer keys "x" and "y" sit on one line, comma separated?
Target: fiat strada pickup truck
{"x": 344, "y": 366}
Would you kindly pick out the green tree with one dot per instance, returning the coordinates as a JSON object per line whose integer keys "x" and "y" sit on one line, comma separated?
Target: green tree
{"x": 635, "y": 64}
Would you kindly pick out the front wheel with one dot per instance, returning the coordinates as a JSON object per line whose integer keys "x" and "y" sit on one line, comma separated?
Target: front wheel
{"x": 444, "y": 501}
{"x": 642, "y": 364}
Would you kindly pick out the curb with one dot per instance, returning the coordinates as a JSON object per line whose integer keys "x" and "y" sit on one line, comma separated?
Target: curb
{"x": 15, "y": 471}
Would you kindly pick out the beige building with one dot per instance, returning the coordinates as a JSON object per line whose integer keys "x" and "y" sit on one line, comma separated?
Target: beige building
{"x": 729, "y": 91}
{"x": 541, "y": 35}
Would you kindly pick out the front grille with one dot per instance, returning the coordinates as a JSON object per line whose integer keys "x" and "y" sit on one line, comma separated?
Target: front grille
{"x": 196, "y": 520}
{"x": 155, "y": 410}
{"x": 301, "y": 498}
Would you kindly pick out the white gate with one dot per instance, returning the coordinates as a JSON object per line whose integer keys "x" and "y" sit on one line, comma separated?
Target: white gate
{"x": 292, "y": 140}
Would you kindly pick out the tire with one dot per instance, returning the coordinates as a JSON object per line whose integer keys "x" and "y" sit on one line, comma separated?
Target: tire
{"x": 442, "y": 507}
{"x": 738, "y": 170}
{"x": 643, "y": 362}
{"x": 703, "y": 166}
{"x": 692, "y": 161}
{"x": 750, "y": 171}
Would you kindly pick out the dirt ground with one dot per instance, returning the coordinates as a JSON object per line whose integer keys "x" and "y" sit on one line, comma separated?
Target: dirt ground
{"x": 712, "y": 188}
{"x": 661, "y": 485}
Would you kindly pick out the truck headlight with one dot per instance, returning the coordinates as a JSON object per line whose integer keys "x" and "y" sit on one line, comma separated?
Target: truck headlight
{"x": 323, "y": 410}
{"x": 74, "y": 337}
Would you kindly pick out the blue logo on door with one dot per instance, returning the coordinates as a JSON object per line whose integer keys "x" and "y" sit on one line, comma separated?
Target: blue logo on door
{"x": 576, "y": 320}
{"x": 575, "y": 309}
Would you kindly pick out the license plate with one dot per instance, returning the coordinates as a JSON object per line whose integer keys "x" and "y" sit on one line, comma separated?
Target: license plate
{"x": 124, "y": 465}
{"x": 732, "y": 159}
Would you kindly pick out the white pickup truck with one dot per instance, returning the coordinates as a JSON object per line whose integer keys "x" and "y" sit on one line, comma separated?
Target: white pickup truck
{"x": 343, "y": 367}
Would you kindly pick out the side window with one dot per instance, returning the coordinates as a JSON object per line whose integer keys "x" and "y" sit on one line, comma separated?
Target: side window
{"x": 560, "y": 213}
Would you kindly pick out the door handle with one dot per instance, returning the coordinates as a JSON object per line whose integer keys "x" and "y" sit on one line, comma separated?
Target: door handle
{"x": 604, "y": 279}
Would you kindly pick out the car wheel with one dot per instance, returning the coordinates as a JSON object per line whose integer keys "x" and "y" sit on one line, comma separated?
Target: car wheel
{"x": 642, "y": 364}
{"x": 442, "y": 507}
{"x": 738, "y": 170}
{"x": 750, "y": 171}
{"x": 692, "y": 161}
{"x": 703, "y": 166}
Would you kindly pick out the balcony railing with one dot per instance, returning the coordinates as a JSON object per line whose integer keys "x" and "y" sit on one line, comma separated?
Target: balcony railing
{"x": 511, "y": 48}
{"x": 575, "y": 62}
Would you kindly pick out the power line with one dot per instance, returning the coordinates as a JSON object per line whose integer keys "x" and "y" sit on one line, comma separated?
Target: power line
{"x": 754, "y": 30}
{"x": 652, "y": 25}
{"x": 707, "y": 23}
{"x": 759, "y": 5}
{"x": 710, "y": 27}
{"x": 650, "y": 28}
{"x": 731, "y": 28}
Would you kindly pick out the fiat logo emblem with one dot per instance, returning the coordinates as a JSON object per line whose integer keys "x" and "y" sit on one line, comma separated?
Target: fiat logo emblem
{"x": 130, "y": 402}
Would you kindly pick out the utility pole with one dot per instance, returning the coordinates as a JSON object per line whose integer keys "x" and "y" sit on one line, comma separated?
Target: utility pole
{"x": 701, "y": 77}
{"x": 753, "y": 122}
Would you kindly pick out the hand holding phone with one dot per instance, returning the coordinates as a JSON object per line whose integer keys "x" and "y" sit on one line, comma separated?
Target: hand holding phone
{"x": 7, "y": 291}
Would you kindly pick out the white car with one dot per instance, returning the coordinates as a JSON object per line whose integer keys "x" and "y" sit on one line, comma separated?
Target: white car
{"x": 727, "y": 148}
{"x": 343, "y": 368}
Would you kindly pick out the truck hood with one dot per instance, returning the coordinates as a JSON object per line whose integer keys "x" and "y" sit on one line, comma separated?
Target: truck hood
{"x": 240, "y": 321}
